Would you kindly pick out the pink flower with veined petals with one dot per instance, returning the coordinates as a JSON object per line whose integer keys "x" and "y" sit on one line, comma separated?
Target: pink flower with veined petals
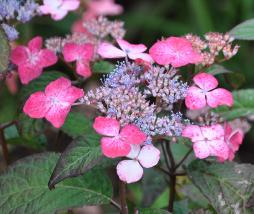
{"x": 175, "y": 51}
{"x": 234, "y": 139}
{"x": 207, "y": 141}
{"x": 32, "y": 59}
{"x": 131, "y": 171}
{"x": 104, "y": 8}
{"x": 55, "y": 103}
{"x": 82, "y": 54}
{"x": 117, "y": 143}
{"x": 205, "y": 92}
{"x": 58, "y": 9}
{"x": 132, "y": 51}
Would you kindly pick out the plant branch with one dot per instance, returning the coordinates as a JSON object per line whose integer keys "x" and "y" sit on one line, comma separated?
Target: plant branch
{"x": 4, "y": 146}
{"x": 115, "y": 204}
{"x": 122, "y": 192}
{"x": 165, "y": 156}
{"x": 183, "y": 159}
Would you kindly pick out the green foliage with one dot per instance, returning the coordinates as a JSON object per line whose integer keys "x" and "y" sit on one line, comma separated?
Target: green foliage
{"x": 244, "y": 30}
{"x": 103, "y": 67}
{"x": 243, "y": 105}
{"x": 24, "y": 188}
{"x": 78, "y": 157}
{"x": 39, "y": 84}
{"x": 227, "y": 186}
{"x": 153, "y": 211}
{"x": 216, "y": 69}
{"x": 4, "y": 51}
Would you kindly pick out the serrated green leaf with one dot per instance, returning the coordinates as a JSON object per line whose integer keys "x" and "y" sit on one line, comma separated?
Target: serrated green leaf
{"x": 78, "y": 158}
{"x": 24, "y": 188}
{"x": 243, "y": 105}
{"x": 78, "y": 124}
{"x": 243, "y": 31}
{"x": 153, "y": 211}
{"x": 39, "y": 84}
{"x": 4, "y": 51}
{"x": 227, "y": 186}
{"x": 103, "y": 67}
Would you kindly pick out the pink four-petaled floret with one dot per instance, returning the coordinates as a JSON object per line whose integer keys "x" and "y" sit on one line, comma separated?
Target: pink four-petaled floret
{"x": 55, "y": 103}
{"x": 32, "y": 59}
{"x": 82, "y": 54}
{"x": 132, "y": 51}
{"x": 204, "y": 92}
{"x": 175, "y": 51}
{"x": 117, "y": 143}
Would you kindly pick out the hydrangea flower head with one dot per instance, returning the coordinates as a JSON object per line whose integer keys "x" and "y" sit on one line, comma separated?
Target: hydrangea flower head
{"x": 234, "y": 139}
{"x": 58, "y": 9}
{"x": 117, "y": 143}
{"x": 132, "y": 51}
{"x": 205, "y": 92}
{"x": 207, "y": 141}
{"x": 131, "y": 171}
{"x": 82, "y": 54}
{"x": 32, "y": 59}
{"x": 55, "y": 103}
{"x": 175, "y": 51}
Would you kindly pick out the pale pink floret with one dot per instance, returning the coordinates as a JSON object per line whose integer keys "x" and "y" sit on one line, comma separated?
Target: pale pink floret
{"x": 207, "y": 140}
{"x": 175, "y": 51}
{"x": 58, "y": 9}
{"x": 234, "y": 139}
{"x": 131, "y": 171}
{"x": 118, "y": 142}
{"x": 132, "y": 51}
{"x": 82, "y": 54}
{"x": 204, "y": 92}
{"x": 32, "y": 59}
{"x": 55, "y": 103}
{"x": 104, "y": 8}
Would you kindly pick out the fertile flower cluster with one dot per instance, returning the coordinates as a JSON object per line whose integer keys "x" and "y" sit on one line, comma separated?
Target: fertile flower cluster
{"x": 213, "y": 44}
{"x": 22, "y": 11}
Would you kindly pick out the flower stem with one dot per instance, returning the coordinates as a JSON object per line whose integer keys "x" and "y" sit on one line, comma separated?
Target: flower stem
{"x": 4, "y": 146}
{"x": 122, "y": 192}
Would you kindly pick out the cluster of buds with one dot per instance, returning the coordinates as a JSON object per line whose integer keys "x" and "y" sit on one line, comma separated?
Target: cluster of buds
{"x": 213, "y": 44}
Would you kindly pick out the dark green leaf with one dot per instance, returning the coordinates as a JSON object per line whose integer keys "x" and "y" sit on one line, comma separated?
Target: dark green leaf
{"x": 103, "y": 67}
{"x": 244, "y": 31}
{"x": 217, "y": 69}
{"x": 235, "y": 80}
{"x": 153, "y": 211}
{"x": 243, "y": 105}
{"x": 227, "y": 186}
{"x": 78, "y": 157}
{"x": 39, "y": 84}
{"x": 24, "y": 188}
{"x": 4, "y": 51}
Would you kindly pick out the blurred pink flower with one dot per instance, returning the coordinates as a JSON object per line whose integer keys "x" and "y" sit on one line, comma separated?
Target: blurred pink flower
{"x": 175, "y": 51}
{"x": 32, "y": 59}
{"x": 207, "y": 141}
{"x": 205, "y": 92}
{"x": 104, "y": 8}
{"x": 234, "y": 139}
{"x": 132, "y": 51}
{"x": 58, "y": 9}
{"x": 117, "y": 143}
{"x": 11, "y": 82}
{"x": 55, "y": 103}
{"x": 131, "y": 171}
{"x": 82, "y": 54}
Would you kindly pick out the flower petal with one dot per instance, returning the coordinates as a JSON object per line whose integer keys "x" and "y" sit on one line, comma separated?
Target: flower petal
{"x": 219, "y": 148}
{"x": 193, "y": 132}
{"x": 47, "y": 58}
{"x": 36, "y": 105}
{"x": 132, "y": 134}
{"x": 19, "y": 55}
{"x": 143, "y": 56}
{"x": 205, "y": 81}
{"x": 235, "y": 140}
{"x": 195, "y": 98}
{"x": 201, "y": 149}
{"x": 107, "y": 50}
{"x": 83, "y": 69}
{"x": 57, "y": 88}
{"x": 149, "y": 156}
{"x": 70, "y": 4}
{"x": 135, "y": 149}
{"x": 28, "y": 72}
{"x": 71, "y": 52}
{"x": 129, "y": 171}
{"x": 218, "y": 97}
{"x": 106, "y": 126}
{"x": 113, "y": 147}
{"x": 35, "y": 44}
{"x": 214, "y": 132}
{"x": 131, "y": 48}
